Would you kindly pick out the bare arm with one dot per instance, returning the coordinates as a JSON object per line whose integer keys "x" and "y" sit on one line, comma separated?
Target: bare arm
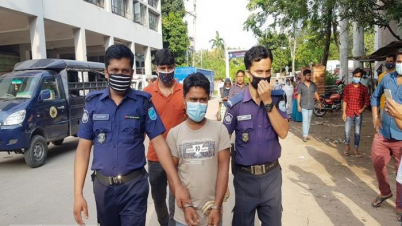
{"x": 165, "y": 158}
{"x": 280, "y": 125}
{"x": 298, "y": 100}
{"x": 223, "y": 176}
{"x": 81, "y": 163}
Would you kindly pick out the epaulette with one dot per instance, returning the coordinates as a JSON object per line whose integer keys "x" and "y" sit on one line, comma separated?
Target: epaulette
{"x": 278, "y": 93}
{"x": 143, "y": 94}
{"x": 235, "y": 100}
{"x": 93, "y": 94}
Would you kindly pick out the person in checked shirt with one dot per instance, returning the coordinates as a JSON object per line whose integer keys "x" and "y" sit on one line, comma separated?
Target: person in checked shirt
{"x": 355, "y": 102}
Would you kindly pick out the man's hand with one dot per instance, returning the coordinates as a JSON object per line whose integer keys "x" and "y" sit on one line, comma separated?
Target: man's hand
{"x": 191, "y": 216}
{"x": 393, "y": 109}
{"x": 225, "y": 98}
{"x": 344, "y": 117}
{"x": 361, "y": 111}
{"x": 299, "y": 108}
{"x": 214, "y": 217}
{"x": 264, "y": 91}
{"x": 182, "y": 196}
{"x": 377, "y": 124}
{"x": 80, "y": 205}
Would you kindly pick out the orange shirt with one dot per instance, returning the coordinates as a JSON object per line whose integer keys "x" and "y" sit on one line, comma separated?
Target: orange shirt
{"x": 171, "y": 109}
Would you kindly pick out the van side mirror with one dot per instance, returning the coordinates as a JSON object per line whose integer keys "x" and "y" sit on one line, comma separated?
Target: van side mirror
{"x": 44, "y": 95}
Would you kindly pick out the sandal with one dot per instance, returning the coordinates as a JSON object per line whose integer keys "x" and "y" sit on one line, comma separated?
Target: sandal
{"x": 358, "y": 155}
{"x": 379, "y": 200}
{"x": 399, "y": 216}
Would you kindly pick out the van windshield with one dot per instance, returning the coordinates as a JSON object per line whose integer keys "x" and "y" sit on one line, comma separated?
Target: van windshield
{"x": 18, "y": 87}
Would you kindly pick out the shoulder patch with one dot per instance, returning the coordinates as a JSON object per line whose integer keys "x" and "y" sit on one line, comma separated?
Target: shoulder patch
{"x": 93, "y": 94}
{"x": 235, "y": 100}
{"x": 152, "y": 114}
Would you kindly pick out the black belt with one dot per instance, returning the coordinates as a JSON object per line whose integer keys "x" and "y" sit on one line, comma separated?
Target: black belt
{"x": 119, "y": 179}
{"x": 258, "y": 169}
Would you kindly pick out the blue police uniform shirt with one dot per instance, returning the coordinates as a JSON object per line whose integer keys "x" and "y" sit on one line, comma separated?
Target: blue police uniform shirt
{"x": 389, "y": 128}
{"x": 118, "y": 132}
{"x": 256, "y": 140}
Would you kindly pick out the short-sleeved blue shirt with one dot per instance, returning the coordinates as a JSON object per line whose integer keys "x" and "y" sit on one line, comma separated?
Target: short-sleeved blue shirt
{"x": 118, "y": 132}
{"x": 256, "y": 140}
{"x": 389, "y": 128}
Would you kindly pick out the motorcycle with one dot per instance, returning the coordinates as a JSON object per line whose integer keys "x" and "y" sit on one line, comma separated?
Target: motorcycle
{"x": 330, "y": 103}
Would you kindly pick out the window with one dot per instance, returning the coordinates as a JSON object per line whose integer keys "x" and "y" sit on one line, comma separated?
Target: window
{"x": 51, "y": 85}
{"x": 119, "y": 7}
{"x": 99, "y": 3}
{"x": 153, "y": 3}
{"x": 139, "y": 13}
{"x": 153, "y": 21}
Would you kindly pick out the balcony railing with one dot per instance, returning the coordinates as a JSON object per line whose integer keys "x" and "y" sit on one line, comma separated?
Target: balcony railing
{"x": 100, "y": 3}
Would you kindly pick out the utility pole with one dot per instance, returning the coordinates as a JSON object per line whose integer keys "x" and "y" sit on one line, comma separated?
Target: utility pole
{"x": 194, "y": 15}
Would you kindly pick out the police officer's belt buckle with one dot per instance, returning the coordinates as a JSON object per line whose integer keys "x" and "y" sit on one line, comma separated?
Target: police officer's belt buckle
{"x": 115, "y": 180}
{"x": 258, "y": 169}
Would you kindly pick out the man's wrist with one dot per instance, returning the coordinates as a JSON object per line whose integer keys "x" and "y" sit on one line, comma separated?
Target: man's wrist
{"x": 269, "y": 101}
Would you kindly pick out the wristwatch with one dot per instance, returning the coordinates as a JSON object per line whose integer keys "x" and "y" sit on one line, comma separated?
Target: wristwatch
{"x": 269, "y": 107}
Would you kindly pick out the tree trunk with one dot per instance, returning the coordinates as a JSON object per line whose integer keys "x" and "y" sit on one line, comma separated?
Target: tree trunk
{"x": 328, "y": 32}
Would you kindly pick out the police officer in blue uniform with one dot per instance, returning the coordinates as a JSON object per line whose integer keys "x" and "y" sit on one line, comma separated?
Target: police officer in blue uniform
{"x": 258, "y": 115}
{"x": 115, "y": 121}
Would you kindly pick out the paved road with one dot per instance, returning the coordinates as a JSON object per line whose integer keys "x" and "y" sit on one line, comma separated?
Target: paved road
{"x": 320, "y": 187}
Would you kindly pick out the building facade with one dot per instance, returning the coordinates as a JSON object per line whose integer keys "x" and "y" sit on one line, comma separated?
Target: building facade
{"x": 78, "y": 29}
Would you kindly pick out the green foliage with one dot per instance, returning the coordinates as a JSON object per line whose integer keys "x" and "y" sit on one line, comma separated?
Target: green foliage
{"x": 176, "y": 6}
{"x": 330, "y": 78}
{"x": 175, "y": 37}
{"x": 279, "y": 45}
{"x": 373, "y": 12}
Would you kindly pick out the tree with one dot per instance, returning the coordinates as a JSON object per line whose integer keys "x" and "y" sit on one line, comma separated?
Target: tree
{"x": 176, "y": 6}
{"x": 175, "y": 37}
{"x": 279, "y": 45}
{"x": 174, "y": 29}
{"x": 318, "y": 15}
{"x": 374, "y": 12}
{"x": 218, "y": 43}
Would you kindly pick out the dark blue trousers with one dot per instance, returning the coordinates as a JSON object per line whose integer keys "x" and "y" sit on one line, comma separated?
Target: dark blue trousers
{"x": 124, "y": 204}
{"x": 261, "y": 193}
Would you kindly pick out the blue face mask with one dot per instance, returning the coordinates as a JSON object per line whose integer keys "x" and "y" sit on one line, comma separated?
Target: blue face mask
{"x": 196, "y": 111}
{"x": 398, "y": 68}
{"x": 356, "y": 80}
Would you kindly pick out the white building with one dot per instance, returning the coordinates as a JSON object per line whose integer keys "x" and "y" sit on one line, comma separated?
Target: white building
{"x": 78, "y": 29}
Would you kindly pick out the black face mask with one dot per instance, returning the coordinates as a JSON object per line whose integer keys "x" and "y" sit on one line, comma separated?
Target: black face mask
{"x": 257, "y": 80}
{"x": 389, "y": 65}
{"x": 119, "y": 82}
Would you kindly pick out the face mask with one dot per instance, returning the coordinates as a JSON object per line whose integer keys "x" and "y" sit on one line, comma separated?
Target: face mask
{"x": 167, "y": 78}
{"x": 389, "y": 65}
{"x": 196, "y": 111}
{"x": 398, "y": 68}
{"x": 356, "y": 80}
{"x": 119, "y": 82}
{"x": 227, "y": 87}
{"x": 256, "y": 80}
{"x": 288, "y": 83}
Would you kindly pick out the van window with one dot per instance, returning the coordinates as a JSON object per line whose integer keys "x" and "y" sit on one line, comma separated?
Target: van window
{"x": 17, "y": 87}
{"x": 51, "y": 85}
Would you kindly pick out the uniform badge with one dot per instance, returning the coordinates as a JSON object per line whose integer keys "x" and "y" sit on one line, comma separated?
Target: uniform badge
{"x": 85, "y": 116}
{"x": 152, "y": 114}
{"x": 228, "y": 118}
{"x": 101, "y": 137}
{"x": 245, "y": 137}
{"x": 282, "y": 105}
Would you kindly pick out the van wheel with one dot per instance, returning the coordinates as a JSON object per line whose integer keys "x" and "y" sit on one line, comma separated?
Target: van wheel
{"x": 58, "y": 142}
{"x": 36, "y": 155}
